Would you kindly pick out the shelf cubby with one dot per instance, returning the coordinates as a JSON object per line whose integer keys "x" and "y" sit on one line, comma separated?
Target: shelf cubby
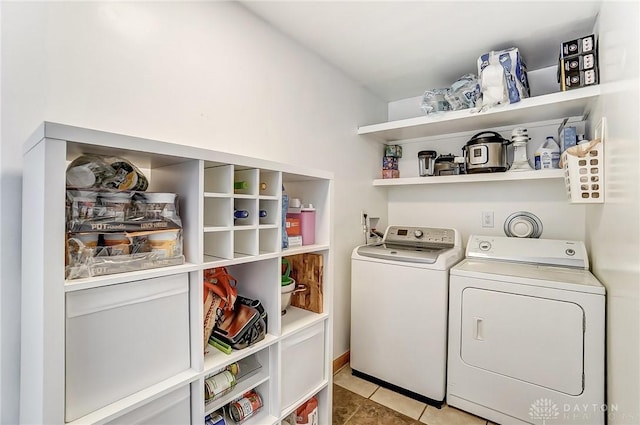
{"x": 256, "y": 280}
{"x": 273, "y": 183}
{"x": 217, "y": 212}
{"x": 217, "y": 178}
{"x": 272, "y": 208}
{"x": 218, "y": 244}
{"x": 269, "y": 240}
{"x": 249, "y": 205}
{"x": 244, "y": 383}
{"x": 250, "y": 177}
{"x": 245, "y": 242}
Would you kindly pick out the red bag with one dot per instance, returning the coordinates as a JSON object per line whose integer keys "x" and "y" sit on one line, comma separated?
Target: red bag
{"x": 219, "y": 296}
{"x": 307, "y": 414}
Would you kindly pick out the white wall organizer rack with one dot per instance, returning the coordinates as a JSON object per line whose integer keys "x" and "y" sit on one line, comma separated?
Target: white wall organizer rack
{"x": 128, "y": 347}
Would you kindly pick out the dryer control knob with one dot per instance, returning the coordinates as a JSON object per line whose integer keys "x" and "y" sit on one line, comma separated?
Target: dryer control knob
{"x": 418, "y": 233}
{"x": 484, "y": 245}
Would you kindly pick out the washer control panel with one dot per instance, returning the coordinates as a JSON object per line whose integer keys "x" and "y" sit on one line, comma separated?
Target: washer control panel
{"x": 410, "y": 235}
{"x": 549, "y": 252}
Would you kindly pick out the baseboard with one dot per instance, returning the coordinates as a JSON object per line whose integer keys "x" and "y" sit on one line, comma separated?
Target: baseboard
{"x": 340, "y": 361}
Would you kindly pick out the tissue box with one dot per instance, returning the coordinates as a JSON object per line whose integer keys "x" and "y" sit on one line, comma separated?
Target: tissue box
{"x": 389, "y": 163}
{"x": 393, "y": 151}
{"x": 515, "y": 71}
{"x": 390, "y": 174}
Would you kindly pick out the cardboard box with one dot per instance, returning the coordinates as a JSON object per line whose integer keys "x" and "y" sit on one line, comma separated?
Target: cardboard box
{"x": 390, "y": 174}
{"x": 573, "y": 80}
{"x": 579, "y": 46}
{"x": 568, "y": 137}
{"x": 579, "y": 63}
{"x": 292, "y": 226}
{"x": 295, "y": 241}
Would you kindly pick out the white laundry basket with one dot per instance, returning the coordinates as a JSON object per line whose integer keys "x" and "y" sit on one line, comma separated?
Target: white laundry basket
{"x": 583, "y": 167}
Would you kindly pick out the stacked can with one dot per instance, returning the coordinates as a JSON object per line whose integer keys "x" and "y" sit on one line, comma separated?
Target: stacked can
{"x": 215, "y": 418}
{"x": 221, "y": 382}
{"x": 245, "y": 406}
{"x": 578, "y": 63}
{"x": 390, "y": 161}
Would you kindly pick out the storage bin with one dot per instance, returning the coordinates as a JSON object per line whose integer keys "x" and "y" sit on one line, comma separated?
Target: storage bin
{"x": 123, "y": 338}
{"x": 583, "y": 167}
{"x": 302, "y": 363}
{"x": 171, "y": 409}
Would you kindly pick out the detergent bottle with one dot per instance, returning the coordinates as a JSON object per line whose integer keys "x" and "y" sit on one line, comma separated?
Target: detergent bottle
{"x": 548, "y": 155}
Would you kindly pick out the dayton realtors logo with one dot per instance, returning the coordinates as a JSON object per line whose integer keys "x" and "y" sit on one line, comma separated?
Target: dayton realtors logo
{"x": 543, "y": 409}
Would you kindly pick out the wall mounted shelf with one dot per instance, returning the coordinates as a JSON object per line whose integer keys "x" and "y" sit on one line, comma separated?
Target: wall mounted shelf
{"x": 472, "y": 178}
{"x": 540, "y": 108}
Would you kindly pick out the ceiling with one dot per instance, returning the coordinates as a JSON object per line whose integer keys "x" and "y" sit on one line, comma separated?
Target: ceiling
{"x": 398, "y": 49}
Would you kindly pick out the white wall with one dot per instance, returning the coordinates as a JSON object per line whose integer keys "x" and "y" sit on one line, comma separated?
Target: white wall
{"x": 460, "y": 205}
{"x": 22, "y": 108}
{"x": 613, "y": 228}
{"x": 202, "y": 74}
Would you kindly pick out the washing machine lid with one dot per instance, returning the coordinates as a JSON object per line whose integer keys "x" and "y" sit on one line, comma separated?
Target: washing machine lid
{"x": 403, "y": 253}
{"x": 564, "y": 278}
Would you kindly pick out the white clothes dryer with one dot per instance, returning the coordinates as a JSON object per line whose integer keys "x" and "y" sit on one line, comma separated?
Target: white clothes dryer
{"x": 399, "y": 291}
{"x": 527, "y": 333}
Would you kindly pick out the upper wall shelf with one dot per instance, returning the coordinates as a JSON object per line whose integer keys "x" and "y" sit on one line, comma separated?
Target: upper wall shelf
{"x": 540, "y": 108}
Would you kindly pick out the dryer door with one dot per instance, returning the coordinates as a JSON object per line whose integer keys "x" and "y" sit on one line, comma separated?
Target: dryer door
{"x": 536, "y": 340}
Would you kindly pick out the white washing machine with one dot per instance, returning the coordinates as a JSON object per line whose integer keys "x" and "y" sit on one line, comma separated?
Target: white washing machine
{"x": 399, "y": 291}
{"x": 527, "y": 333}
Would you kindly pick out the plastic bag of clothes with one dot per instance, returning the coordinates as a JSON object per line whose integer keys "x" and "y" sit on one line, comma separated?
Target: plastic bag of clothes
{"x": 464, "y": 93}
{"x": 434, "y": 101}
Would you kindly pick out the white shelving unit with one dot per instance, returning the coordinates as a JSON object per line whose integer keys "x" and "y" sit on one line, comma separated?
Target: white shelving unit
{"x": 554, "y": 106}
{"x": 53, "y": 331}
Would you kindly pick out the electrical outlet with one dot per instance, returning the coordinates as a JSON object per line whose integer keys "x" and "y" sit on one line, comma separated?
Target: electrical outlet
{"x": 487, "y": 218}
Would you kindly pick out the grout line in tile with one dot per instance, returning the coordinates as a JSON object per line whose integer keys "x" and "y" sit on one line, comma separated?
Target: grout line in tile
{"x": 422, "y": 413}
{"x": 374, "y": 391}
{"x": 352, "y": 415}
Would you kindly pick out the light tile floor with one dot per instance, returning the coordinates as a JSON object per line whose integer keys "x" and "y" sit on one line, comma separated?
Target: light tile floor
{"x": 365, "y": 403}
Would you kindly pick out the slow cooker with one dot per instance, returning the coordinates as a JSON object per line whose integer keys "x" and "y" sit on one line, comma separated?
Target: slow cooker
{"x": 486, "y": 152}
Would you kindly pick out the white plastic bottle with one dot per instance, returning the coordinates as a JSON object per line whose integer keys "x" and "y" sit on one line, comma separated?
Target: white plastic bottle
{"x": 548, "y": 155}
